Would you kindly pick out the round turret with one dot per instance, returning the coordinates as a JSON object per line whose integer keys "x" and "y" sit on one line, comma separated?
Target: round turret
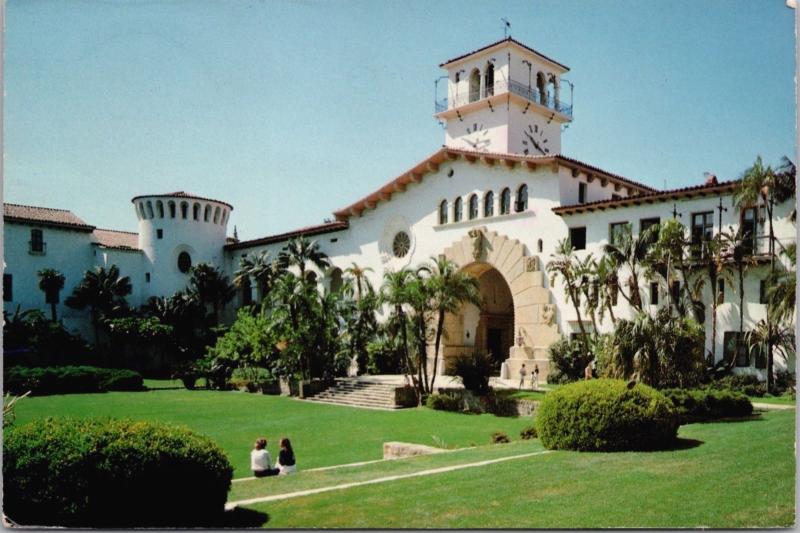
{"x": 176, "y": 231}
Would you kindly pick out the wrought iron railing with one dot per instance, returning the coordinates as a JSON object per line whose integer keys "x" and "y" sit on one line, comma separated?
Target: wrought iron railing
{"x": 531, "y": 94}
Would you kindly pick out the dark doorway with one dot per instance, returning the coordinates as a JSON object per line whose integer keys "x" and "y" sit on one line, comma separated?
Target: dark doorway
{"x": 494, "y": 345}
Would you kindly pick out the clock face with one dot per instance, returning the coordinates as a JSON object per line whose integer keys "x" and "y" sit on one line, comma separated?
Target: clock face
{"x": 534, "y": 140}
{"x": 477, "y": 137}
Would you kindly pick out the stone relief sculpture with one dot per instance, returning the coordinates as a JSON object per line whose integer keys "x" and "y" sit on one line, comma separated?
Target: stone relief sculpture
{"x": 477, "y": 243}
{"x": 548, "y": 314}
{"x": 532, "y": 264}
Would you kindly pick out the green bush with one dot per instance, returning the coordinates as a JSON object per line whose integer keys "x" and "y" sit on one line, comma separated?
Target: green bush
{"x": 112, "y": 473}
{"x": 746, "y": 384}
{"x": 528, "y": 433}
{"x": 474, "y": 371}
{"x": 444, "y": 402}
{"x": 700, "y": 405}
{"x": 500, "y": 437}
{"x": 498, "y": 405}
{"x": 606, "y": 415}
{"x": 69, "y": 379}
{"x": 568, "y": 361}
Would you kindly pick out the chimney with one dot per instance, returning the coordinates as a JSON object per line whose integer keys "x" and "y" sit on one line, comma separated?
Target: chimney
{"x": 711, "y": 179}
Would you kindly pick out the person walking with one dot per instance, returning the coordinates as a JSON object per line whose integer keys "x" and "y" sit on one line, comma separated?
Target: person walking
{"x": 522, "y": 374}
{"x": 535, "y": 377}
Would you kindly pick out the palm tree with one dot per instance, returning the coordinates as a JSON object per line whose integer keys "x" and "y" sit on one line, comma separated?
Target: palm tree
{"x": 710, "y": 265}
{"x": 631, "y": 252}
{"x": 566, "y": 264}
{"x": 419, "y": 299}
{"x": 292, "y": 301}
{"x": 51, "y": 281}
{"x": 782, "y": 287}
{"x": 259, "y": 268}
{"x": 604, "y": 275}
{"x": 737, "y": 251}
{"x": 211, "y": 287}
{"x": 102, "y": 291}
{"x": 394, "y": 292}
{"x": 298, "y": 252}
{"x": 449, "y": 289}
{"x": 359, "y": 274}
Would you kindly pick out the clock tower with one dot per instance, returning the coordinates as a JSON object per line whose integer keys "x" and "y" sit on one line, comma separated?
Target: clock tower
{"x": 505, "y": 98}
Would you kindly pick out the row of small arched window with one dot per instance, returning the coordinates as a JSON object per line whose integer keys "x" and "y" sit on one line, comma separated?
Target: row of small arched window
{"x": 146, "y": 210}
{"x": 520, "y": 205}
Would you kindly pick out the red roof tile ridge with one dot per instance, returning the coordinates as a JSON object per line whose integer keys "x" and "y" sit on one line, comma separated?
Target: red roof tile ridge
{"x": 39, "y": 207}
{"x": 117, "y": 231}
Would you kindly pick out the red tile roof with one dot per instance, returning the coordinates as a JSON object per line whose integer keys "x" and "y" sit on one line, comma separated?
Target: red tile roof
{"x": 181, "y": 194}
{"x": 649, "y": 198}
{"x": 506, "y": 40}
{"x": 121, "y": 240}
{"x": 320, "y": 229}
{"x": 432, "y": 163}
{"x": 44, "y": 216}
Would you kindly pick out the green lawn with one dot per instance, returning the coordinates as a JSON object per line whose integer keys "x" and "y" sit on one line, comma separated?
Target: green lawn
{"x": 734, "y": 474}
{"x": 784, "y": 399}
{"x": 322, "y": 435}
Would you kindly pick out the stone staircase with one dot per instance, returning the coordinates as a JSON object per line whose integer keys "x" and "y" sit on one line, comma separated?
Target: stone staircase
{"x": 359, "y": 393}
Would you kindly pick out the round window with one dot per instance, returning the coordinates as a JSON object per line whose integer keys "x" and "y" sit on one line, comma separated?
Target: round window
{"x": 401, "y": 244}
{"x": 184, "y": 262}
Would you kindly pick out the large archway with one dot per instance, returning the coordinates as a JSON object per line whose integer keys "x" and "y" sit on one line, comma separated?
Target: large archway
{"x": 506, "y": 271}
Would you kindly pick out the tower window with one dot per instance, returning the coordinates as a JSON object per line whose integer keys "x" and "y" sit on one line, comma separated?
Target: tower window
{"x": 196, "y": 211}
{"x": 36, "y": 244}
{"x": 473, "y": 206}
{"x": 443, "y": 212}
{"x": 207, "y": 213}
{"x": 147, "y": 277}
{"x": 488, "y": 80}
{"x": 474, "y": 85}
{"x": 184, "y": 262}
{"x": 577, "y": 238}
{"x": 505, "y": 201}
{"x": 171, "y": 205}
{"x": 457, "y": 208}
{"x": 522, "y": 199}
{"x": 488, "y": 204}
{"x": 159, "y": 234}
{"x": 160, "y": 209}
{"x": 581, "y": 193}
{"x": 8, "y": 288}
{"x": 150, "y": 214}
{"x": 184, "y": 210}
{"x": 539, "y": 246}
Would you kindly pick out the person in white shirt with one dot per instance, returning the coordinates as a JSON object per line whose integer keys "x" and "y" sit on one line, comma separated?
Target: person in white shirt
{"x": 260, "y": 460}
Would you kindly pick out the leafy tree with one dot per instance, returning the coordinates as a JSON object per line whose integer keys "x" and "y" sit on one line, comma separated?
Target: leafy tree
{"x": 293, "y": 317}
{"x": 394, "y": 292}
{"x": 259, "y": 268}
{"x": 51, "y": 281}
{"x": 567, "y": 265}
{"x": 102, "y": 291}
{"x": 604, "y": 275}
{"x": 450, "y": 288}
{"x": 298, "y": 252}
{"x": 420, "y": 301}
{"x": 630, "y": 253}
{"x": 737, "y": 253}
{"x": 782, "y": 285}
{"x": 363, "y": 325}
{"x": 211, "y": 288}
{"x": 249, "y": 343}
{"x": 710, "y": 271}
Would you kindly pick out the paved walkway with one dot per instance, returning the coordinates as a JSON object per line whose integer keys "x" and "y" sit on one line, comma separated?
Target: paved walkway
{"x": 384, "y": 479}
{"x": 768, "y": 406}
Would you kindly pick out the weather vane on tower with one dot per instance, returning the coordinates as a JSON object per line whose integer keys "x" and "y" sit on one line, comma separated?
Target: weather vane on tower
{"x": 506, "y": 27}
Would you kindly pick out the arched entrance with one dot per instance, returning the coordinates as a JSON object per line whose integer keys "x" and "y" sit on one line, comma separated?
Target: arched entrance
{"x": 516, "y": 317}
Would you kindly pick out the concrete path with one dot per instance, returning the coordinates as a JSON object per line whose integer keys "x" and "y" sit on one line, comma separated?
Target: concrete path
{"x": 384, "y": 479}
{"x": 768, "y": 406}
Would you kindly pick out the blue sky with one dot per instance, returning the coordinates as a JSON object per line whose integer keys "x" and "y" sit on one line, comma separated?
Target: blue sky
{"x": 291, "y": 109}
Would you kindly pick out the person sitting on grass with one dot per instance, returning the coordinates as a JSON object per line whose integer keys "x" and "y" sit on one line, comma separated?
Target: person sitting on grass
{"x": 260, "y": 461}
{"x": 286, "y": 462}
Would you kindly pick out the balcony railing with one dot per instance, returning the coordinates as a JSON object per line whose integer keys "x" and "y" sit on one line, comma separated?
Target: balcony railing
{"x": 531, "y": 94}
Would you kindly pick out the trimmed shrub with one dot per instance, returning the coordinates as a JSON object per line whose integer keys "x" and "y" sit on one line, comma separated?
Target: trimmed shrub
{"x": 528, "y": 433}
{"x": 606, "y": 415}
{"x": 701, "y": 405}
{"x": 498, "y": 405}
{"x": 746, "y": 384}
{"x": 112, "y": 473}
{"x": 568, "y": 361}
{"x": 69, "y": 379}
{"x": 500, "y": 437}
{"x": 444, "y": 402}
{"x": 474, "y": 371}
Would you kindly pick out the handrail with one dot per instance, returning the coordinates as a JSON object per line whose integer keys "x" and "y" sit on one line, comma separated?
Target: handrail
{"x": 531, "y": 94}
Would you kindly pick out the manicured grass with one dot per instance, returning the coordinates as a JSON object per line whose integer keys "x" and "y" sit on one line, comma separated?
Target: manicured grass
{"x": 726, "y": 475}
{"x": 322, "y": 435}
{"x": 784, "y": 399}
{"x": 537, "y": 395}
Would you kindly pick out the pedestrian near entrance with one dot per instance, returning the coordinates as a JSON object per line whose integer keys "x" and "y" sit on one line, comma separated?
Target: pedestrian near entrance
{"x": 522, "y": 374}
{"x": 535, "y": 377}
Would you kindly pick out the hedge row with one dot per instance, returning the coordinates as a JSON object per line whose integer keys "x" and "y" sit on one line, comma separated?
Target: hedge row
{"x": 464, "y": 401}
{"x": 112, "y": 473}
{"x": 606, "y": 415}
{"x": 70, "y": 379}
{"x": 699, "y": 405}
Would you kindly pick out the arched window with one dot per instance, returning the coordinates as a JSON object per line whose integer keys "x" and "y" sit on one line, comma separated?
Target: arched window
{"x": 184, "y": 262}
{"x": 488, "y": 80}
{"x": 539, "y": 245}
{"x": 473, "y": 206}
{"x": 541, "y": 85}
{"x": 488, "y": 204}
{"x": 505, "y": 201}
{"x": 216, "y": 215}
{"x": 224, "y": 217}
{"x": 311, "y": 277}
{"x": 522, "y": 199}
{"x": 196, "y": 211}
{"x": 335, "y": 284}
{"x": 207, "y": 213}
{"x": 141, "y": 210}
{"x": 443, "y": 212}
{"x": 171, "y": 207}
{"x": 457, "y": 210}
{"x": 150, "y": 209}
{"x": 184, "y": 210}
{"x": 475, "y": 85}
{"x": 556, "y": 90}
{"x": 160, "y": 209}
{"x": 138, "y": 214}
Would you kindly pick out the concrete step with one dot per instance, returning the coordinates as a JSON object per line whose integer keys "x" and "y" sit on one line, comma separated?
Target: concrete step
{"x": 358, "y": 393}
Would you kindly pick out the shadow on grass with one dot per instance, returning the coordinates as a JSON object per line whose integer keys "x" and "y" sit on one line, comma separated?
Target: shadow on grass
{"x": 239, "y": 517}
{"x": 682, "y": 444}
{"x": 755, "y": 417}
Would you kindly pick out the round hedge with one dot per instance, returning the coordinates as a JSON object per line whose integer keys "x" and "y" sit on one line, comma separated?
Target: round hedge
{"x": 606, "y": 415}
{"x": 112, "y": 473}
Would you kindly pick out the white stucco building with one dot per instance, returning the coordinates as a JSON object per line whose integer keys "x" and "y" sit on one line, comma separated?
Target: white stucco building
{"x": 496, "y": 198}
